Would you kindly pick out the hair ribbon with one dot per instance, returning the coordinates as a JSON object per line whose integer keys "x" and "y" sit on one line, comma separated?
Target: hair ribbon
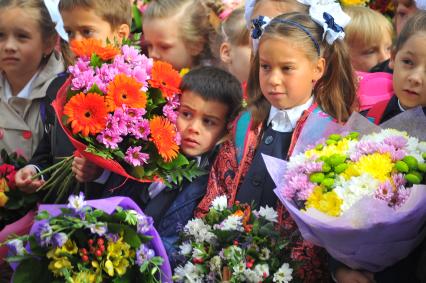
{"x": 53, "y": 9}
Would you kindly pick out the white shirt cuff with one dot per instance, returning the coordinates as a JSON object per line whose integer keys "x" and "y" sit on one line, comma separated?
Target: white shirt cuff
{"x": 103, "y": 178}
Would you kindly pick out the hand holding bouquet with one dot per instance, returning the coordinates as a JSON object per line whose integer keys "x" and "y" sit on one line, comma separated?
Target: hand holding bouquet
{"x": 95, "y": 241}
{"x": 235, "y": 244}
{"x": 360, "y": 196}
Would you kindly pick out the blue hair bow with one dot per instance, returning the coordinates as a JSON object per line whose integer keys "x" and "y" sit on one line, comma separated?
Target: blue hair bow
{"x": 258, "y": 25}
{"x": 329, "y": 20}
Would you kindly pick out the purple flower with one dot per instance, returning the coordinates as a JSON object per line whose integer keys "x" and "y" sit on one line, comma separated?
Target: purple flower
{"x": 135, "y": 157}
{"x": 355, "y": 156}
{"x": 396, "y": 141}
{"x": 16, "y": 247}
{"x": 98, "y": 228}
{"x": 144, "y": 223}
{"x": 77, "y": 202}
{"x": 59, "y": 239}
{"x": 112, "y": 237}
{"x": 402, "y": 195}
{"x": 384, "y": 192}
{"x": 141, "y": 76}
{"x": 170, "y": 113}
{"x": 367, "y": 147}
{"x": 141, "y": 130}
{"x": 143, "y": 254}
{"x": 134, "y": 113}
{"x": 313, "y": 167}
{"x": 109, "y": 138}
{"x": 43, "y": 234}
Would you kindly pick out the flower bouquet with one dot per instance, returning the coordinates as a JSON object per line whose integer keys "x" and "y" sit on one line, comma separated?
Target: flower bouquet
{"x": 14, "y": 204}
{"x": 119, "y": 110}
{"x": 235, "y": 244}
{"x": 107, "y": 240}
{"x": 360, "y": 195}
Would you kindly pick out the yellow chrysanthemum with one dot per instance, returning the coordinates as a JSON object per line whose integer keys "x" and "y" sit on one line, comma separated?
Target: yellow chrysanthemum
{"x": 378, "y": 165}
{"x": 328, "y": 203}
{"x": 85, "y": 277}
{"x": 341, "y": 147}
{"x": 58, "y": 263}
{"x": 354, "y": 2}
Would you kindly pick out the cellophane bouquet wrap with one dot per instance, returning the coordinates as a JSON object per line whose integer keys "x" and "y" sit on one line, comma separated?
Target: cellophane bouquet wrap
{"x": 107, "y": 240}
{"x": 235, "y": 244}
{"x": 119, "y": 110}
{"x": 358, "y": 190}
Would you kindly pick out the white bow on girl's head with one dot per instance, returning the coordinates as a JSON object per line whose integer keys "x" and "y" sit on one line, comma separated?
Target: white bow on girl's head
{"x": 53, "y": 9}
{"x": 248, "y": 11}
{"x": 421, "y": 4}
{"x": 330, "y": 16}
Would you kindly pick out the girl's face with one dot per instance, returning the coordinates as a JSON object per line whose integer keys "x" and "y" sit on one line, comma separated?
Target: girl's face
{"x": 237, "y": 60}
{"x": 21, "y": 45}
{"x": 286, "y": 74}
{"x": 165, "y": 42}
{"x": 409, "y": 76}
{"x": 364, "y": 57}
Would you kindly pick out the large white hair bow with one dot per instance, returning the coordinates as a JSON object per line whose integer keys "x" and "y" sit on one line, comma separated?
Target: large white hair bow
{"x": 248, "y": 11}
{"x": 330, "y": 16}
{"x": 55, "y": 15}
{"x": 421, "y": 4}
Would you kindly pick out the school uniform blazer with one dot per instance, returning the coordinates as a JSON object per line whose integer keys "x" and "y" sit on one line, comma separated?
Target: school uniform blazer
{"x": 22, "y": 130}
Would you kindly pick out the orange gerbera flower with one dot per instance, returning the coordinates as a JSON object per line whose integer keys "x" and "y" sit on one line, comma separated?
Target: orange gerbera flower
{"x": 125, "y": 90}
{"x": 165, "y": 78}
{"x": 163, "y": 134}
{"x": 87, "y": 113}
{"x": 87, "y": 47}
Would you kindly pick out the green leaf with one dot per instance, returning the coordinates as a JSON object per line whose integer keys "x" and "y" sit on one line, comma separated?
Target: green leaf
{"x": 95, "y": 61}
{"x": 95, "y": 89}
{"x": 130, "y": 236}
{"x": 144, "y": 266}
{"x": 42, "y": 215}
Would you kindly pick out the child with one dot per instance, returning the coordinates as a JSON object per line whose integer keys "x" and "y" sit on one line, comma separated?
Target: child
{"x": 211, "y": 98}
{"x": 294, "y": 73}
{"x": 234, "y": 49}
{"x": 28, "y": 63}
{"x": 98, "y": 19}
{"x": 369, "y": 37}
{"x": 408, "y": 62}
{"x": 179, "y": 32}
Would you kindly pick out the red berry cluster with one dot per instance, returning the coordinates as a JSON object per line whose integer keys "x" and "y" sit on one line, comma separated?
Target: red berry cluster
{"x": 95, "y": 249}
{"x": 249, "y": 261}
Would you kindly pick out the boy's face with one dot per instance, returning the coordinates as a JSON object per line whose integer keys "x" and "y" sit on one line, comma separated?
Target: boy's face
{"x": 409, "y": 76}
{"x": 201, "y": 123}
{"x": 364, "y": 57}
{"x": 81, "y": 23}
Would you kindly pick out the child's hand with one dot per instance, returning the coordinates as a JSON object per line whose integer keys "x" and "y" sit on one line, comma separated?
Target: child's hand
{"x": 84, "y": 170}
{"x": 347, "y": 275}
{"x": 24, "y": 182}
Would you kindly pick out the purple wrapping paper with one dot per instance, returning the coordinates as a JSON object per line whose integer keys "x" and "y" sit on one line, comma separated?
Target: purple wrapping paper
{"x": 370, "y": 235}
{"x": 108, "y": 205}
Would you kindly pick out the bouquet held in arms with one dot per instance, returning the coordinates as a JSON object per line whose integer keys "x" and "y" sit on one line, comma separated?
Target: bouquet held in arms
{"x": 360, "y": 194}
{"x": 108, "y": 240}
{"x": 119, "y": 110}
{"x": 235, "y": 244}
{"x": 14, "y": 203}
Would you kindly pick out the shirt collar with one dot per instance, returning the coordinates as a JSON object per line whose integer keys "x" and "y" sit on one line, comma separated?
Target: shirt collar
{"x": 400, "y": 106}
{"x": 24, "y": 93}
{"x": 293, "y": 113}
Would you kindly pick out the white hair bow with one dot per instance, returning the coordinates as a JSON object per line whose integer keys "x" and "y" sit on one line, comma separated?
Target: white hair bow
{"x": 53, "y": 9}
{"x": 248, "y": 11}
{"x": 421, "y": 4}
{"x": 330, "y": 16}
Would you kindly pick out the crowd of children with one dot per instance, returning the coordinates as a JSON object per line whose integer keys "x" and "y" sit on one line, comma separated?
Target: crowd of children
{"x": 275, "y": 51}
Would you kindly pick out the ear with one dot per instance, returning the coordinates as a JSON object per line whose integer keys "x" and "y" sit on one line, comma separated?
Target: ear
{"x": 225, "y": 53}
{"x": 319, "y": 68}
{"x": 123, "y": 31}
{"x": 49, "y": 45}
